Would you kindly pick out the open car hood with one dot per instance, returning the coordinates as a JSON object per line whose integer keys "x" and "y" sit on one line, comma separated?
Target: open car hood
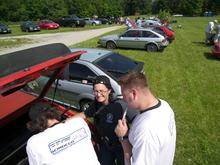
{"x": 19, "y": 68}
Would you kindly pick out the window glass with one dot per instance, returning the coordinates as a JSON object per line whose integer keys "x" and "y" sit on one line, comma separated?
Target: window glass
{"x": 149, "y": 34}
{"x": 80, "y": 72}
{"x": 116, "y": 64}
{"x": 132, "y": 33}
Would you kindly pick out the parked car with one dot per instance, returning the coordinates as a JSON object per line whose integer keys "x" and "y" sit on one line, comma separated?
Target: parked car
{"x": 4, "y": 29}
{"x": 75, "y": 88}
{"x": 216, "y": 49}
{"x": 48, "y": 24}
{"x": 151, "y": 22}
{"x": 137, "y": 39}
{"x": 162, "y": 30}
{"x": 70, "y": 21}
{"x": 29, "y": 26}
{"x": 92, "y": 21}
{"x": 18, "y": 94}
{"x": 105, "y": 21}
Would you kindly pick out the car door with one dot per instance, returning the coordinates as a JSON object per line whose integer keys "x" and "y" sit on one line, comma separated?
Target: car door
{"x": 129, "y": 39}
{"x": 149, "y": 36}
{"x": 78, "y": 85}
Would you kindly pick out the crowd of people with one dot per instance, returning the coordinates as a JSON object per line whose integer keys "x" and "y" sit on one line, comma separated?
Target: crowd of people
{"x": 136, "y": 130}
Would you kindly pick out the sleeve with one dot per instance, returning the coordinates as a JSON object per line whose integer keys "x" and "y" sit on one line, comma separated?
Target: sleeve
{"x": 32, "y": 157}
{"x": 90, "y": 112}
{"x": 145, "y": 149}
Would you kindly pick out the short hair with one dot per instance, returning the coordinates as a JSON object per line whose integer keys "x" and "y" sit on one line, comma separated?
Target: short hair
{"x": 133, "y": 79}
{"x": 40, "y": 122}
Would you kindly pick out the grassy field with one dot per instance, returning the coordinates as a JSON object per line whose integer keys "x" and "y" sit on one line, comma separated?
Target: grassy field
{"x": 188, "y": 76}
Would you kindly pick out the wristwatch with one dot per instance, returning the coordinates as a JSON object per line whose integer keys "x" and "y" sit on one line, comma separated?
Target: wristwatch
{"x": 121, "y": 138}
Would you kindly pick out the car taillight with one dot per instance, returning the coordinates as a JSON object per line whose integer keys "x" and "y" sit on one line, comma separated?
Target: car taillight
{"x": 164, "y": 41}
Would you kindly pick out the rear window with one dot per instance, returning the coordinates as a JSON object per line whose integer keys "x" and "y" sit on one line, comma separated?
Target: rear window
{"x": 116, "y": 64}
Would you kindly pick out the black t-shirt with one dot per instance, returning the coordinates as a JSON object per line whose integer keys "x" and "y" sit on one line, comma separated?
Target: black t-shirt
{"x": 105, "y": 118}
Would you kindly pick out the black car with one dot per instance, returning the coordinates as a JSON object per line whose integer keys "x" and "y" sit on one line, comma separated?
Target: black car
{"x": 29, "y": 26}
{"x": 4, "y": 29}
{"x": 70, "y": 21}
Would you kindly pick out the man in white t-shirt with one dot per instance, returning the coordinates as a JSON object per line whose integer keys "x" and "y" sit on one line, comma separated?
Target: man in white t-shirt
{"x": 60, "y": 143}
{"x": 152, "y": 136}
{"x": 209, "y": 32}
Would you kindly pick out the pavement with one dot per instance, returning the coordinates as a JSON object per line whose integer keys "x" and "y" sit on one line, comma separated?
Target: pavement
{"x": 67, "y": 38}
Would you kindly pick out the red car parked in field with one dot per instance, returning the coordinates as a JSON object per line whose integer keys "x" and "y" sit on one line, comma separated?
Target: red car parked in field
{"x": 20, "y": 93}
{"x": 216, "y": 49}
{"x": 48, "y": 24}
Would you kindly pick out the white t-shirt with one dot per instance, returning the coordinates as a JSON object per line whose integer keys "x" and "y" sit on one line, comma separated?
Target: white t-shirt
{"x": 153, "y": 136}
{"x": 210, "y": 27}
{"x": 63, "y": 144}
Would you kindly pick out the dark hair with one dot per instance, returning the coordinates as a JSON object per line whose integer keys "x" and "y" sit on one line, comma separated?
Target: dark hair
{"x": 133, "y": 79}
{"x": 39, "y": 123}
{"x": 103, "y": 80}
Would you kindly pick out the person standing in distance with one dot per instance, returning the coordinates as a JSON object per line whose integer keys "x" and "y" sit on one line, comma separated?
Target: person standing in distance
{"x": 152, "y": 136}
{"x": 210, "y": 31}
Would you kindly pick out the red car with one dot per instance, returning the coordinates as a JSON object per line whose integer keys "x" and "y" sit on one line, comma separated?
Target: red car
{"x": 216, "y": 49}
{"x": 20, "y": 92}
{"x": 48, "y": 24}
{"x": 170, "y": 34}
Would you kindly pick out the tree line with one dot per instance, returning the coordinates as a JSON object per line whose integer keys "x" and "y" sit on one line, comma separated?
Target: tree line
{"x": 21, "y": 10}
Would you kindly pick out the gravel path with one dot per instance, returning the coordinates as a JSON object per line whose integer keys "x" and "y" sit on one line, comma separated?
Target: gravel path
{"x": 68, "y": 38}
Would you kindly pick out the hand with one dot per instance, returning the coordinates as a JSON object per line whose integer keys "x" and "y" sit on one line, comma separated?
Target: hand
{"x": 121, "y": 129}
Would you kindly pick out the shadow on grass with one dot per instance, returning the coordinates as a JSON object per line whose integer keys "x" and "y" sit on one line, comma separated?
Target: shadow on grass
{"x": 210, "y": 56}
{"x": 101, "y": 47}
{"x": 200, "y": 43}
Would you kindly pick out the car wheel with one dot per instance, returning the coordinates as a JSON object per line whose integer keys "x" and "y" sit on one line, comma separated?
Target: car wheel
{"x": 152, "y": 48}
{"x": 84, "y": 104}
{"x": 73, "y": 25}
{"x": 110, "y": 45}
{"x": 93, "y": 24}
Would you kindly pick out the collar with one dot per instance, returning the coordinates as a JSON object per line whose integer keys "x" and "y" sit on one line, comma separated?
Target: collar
{"x": 151, "y": 108}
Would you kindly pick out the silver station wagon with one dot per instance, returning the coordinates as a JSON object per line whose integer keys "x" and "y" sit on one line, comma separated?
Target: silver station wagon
{"x": 75, "y": 87}
{"x": 136, "y": 39}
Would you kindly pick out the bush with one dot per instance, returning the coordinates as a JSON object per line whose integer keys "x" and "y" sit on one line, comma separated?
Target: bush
{"x": 164, "y": 15}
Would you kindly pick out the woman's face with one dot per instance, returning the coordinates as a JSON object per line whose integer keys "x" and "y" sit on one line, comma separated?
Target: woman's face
{"x": 101, "y": 93}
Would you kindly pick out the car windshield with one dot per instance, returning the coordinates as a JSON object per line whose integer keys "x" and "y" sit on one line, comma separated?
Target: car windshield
{"x": 116, "y": 64}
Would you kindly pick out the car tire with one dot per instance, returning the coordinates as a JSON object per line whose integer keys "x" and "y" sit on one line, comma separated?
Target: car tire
{"x": 152, "y": 48}
{"x": 110, "y": 45}
{"x": 84, "y": 104}
{"x": 73, "y": 25}
{"x": 93, "y": 24}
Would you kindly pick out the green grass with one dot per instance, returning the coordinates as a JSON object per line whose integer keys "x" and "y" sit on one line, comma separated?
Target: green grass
{"x": 188, "y": 76}
{"x": 12, "y": 42}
